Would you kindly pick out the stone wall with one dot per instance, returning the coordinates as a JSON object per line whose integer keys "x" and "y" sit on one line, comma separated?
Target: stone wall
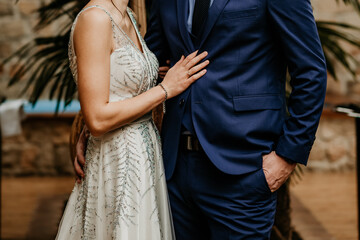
{"x": 335, "y": 145}
{"x": 334, "y": 148}
{"x": 42, "y": 148}
{"x": 16, "y": 29}
{"x": 329, "y": 10}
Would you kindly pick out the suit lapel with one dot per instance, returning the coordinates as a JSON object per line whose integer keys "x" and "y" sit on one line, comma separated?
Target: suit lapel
{"x": 182, "y": 22}
{"x": 214, "y": 13}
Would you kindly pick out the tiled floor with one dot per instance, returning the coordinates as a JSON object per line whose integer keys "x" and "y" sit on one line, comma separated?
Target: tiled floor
{"x": 324, "y": 206}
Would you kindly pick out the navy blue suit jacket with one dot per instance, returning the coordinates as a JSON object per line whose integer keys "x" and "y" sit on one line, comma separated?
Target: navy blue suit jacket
{"x": 238, "y": 108}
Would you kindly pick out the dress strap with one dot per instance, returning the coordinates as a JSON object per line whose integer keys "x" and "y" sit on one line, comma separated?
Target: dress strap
{"x": 132, "y": 18}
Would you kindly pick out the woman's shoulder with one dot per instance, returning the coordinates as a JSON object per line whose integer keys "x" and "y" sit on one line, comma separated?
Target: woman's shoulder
{"x": 92, "y": 24}
{"x": 94, "y": 15}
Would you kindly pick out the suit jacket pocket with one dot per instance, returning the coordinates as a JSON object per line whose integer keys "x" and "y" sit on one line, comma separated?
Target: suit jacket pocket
{"x": 248, "y": 13}
{"x": 257, "y": 102}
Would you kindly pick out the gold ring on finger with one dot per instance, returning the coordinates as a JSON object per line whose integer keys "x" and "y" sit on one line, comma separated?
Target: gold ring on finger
{"x": 188, "y": 73}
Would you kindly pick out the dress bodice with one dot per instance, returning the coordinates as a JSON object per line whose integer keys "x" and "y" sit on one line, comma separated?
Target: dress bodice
{"x": 132, "y": 72}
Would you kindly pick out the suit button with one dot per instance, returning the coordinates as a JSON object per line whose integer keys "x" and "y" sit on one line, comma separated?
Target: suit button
{"x": 181, "y": 103}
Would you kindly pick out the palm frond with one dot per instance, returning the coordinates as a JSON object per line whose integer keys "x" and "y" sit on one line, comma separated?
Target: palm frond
{"x": 44, "y": 61}
{"x": 332, "y": 35}
{"x": 47, "y": 61}
{"x": 354, "y": 3}
{"x": 57, "y": 9}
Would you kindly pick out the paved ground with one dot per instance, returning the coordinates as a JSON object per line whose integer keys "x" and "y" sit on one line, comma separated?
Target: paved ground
{"x": 331, "y": 198}
{"x": 31, "y": 207}
{"x": 324, "y": 206}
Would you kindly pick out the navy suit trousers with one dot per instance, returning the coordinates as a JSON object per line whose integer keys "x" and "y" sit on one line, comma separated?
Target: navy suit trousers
{"x": 209, "y": 204}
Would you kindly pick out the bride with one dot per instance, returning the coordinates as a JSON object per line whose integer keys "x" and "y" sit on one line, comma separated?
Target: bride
{"x": 123, "y": 194}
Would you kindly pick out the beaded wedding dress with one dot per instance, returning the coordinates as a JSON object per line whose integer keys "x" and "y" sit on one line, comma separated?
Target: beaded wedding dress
{"x": 123, "y": 194}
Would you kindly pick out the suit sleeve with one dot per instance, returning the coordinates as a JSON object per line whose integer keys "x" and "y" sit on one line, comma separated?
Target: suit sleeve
{"x": 295, "y": 26}
{"x": 155, "y": 37}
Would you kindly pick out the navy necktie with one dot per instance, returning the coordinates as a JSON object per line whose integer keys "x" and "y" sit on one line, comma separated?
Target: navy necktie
{"x": 201, "y": 10}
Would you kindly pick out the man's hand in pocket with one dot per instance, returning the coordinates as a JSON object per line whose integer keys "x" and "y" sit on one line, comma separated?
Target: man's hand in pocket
{"x": 277, "y": 170}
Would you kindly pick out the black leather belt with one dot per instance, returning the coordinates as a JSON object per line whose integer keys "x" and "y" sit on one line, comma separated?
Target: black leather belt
{"x": 190, "y": 142}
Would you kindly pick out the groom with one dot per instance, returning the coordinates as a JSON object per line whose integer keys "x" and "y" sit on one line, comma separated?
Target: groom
{"x": 228, "y": 142}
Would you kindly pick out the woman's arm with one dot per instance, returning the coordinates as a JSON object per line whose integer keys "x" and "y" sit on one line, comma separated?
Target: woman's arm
{"x": 93, "y": 46}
